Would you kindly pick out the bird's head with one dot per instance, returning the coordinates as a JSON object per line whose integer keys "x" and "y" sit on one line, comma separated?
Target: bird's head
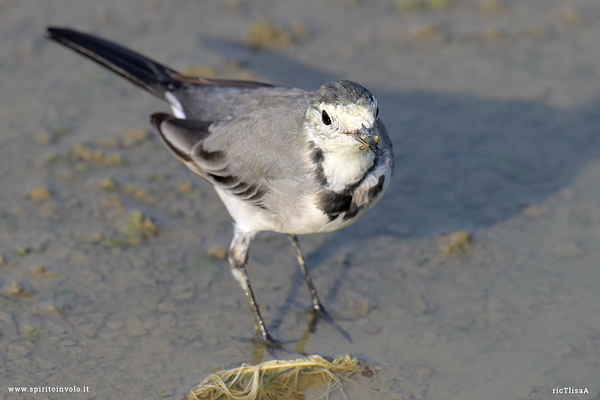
{"x": 343, "y": 115}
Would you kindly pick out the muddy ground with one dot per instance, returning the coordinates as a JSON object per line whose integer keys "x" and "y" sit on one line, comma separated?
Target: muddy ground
{"x": 112, "y": 275}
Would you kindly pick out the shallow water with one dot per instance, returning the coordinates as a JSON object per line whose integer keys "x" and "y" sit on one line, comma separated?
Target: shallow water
{"x": 494, "y": 116}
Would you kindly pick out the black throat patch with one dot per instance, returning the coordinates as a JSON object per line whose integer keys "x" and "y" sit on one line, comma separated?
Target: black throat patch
{"x": 317, "y": 157}
{"x": 336, "y": 202}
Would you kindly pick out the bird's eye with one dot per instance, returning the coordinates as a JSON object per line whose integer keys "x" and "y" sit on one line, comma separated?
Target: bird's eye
{"x": 325, "y": 118}
{"x": 377, "y": 113}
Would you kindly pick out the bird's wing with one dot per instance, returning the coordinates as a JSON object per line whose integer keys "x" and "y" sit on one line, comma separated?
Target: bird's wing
{"x": 186, "y": 139}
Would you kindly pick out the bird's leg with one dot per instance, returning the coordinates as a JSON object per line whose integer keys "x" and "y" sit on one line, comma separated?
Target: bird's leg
{"x": 238, "y": 254}
{"x": 318, "y": 309}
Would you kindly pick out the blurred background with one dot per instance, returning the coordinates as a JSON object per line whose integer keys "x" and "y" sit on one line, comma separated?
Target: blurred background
{"x": 474, "y": 277}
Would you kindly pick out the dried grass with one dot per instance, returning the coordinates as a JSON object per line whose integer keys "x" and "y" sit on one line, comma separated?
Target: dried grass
{"x": 277, "y": 379}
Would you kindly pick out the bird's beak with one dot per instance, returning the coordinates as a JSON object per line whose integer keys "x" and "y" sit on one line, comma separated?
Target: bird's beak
{"x": 365, "y": 136}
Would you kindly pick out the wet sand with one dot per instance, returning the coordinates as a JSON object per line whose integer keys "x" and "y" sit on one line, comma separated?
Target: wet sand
{"x": 111, "y": 270}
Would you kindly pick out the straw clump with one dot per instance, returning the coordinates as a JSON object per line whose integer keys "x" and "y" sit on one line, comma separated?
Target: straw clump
{"x": 277, "y": 379}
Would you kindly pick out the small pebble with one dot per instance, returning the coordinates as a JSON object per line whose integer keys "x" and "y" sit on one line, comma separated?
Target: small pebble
{"x": 137, "y": 222}
{"x": 138, "y": 193}
{"x": 107, "y": 142}
{"x": 113, "y": 160}
{"x": 95, "y": 237}
{"x": 132, "y": 137}
{"x": 492, "y": 6}
{"x": 185, "y": 188}
{"x": 363, "y": 307}
{"x": 218, "y": 252}
{"x": 456, "y": 243}
{"x": 51, "y": 309}
{"x": 30, "y": 332}
{"x": 571, "y": 17}
{"x": 22, "y": 251}
{"x": 40, "y": 193}
{"x": 534, "y": 211}
{"x": 17, "y": 289}
{"x": 108, "y": 184}
{"x": 42, "y": 272}
{"x": 82, "y": 152}
{"x": 112, "y": 203}
{"x": 266, "y": 34}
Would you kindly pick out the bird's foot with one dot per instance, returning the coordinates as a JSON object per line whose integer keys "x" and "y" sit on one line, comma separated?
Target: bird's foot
{"x": 317, "y": 312}
{"x": 266, "y": 340}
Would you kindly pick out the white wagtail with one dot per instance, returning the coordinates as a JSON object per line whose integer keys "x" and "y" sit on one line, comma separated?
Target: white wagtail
{"x": 285, "y": 160}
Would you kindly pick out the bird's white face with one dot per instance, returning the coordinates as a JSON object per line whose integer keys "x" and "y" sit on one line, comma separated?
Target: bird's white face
{"x": 348, "y": 136}
{"x": 343, "y": 127}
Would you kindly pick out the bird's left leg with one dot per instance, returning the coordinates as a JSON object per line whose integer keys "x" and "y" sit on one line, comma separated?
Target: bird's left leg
{"x": 317, "y": 309}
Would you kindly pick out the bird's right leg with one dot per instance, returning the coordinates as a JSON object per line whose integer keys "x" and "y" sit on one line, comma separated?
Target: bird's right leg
{"x": 238, "y": 255}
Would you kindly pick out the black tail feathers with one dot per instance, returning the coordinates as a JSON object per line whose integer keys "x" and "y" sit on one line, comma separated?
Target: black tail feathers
{"x": 142, "y": 71}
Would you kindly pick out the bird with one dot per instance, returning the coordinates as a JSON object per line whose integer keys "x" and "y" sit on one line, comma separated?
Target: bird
{"x": 286, "y": 160}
